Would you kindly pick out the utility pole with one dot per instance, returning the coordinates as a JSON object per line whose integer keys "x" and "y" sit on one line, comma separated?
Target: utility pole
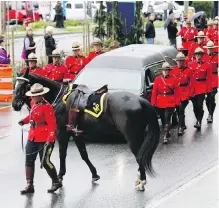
{"x": 186, "y": 6}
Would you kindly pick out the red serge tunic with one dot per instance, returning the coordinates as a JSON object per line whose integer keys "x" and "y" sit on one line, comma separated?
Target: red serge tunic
{"x": 56, "y": 72}
{"x": 45, "y": 122}
{"x": 183, "y": 77}
{"x": 92, "y": 55}
{"x": 74, "y": 65}
{"x": 214, "y": 38}
{"x": 188, "y": 35}
{"x": 165, "y": 92}
{"x": 192, "y": 49}
{"x": 201, "y": 77}
{"x": 36, "y": 70}
{"x": 213, "y": 61}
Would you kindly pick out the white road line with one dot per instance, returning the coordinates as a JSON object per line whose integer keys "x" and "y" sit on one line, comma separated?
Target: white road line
{"x": 181, "y": 188}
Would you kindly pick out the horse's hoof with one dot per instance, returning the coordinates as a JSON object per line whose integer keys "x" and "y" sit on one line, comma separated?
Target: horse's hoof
{"x": 96, "y": 178}
{"x": 140, "y": 186}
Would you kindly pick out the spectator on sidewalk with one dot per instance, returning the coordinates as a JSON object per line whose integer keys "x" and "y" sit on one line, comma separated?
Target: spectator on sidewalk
{"x": 4, "y": 57}
{"x": 50, "y": 44}
{"x": 29, "y": 44}
{"x": 59, "y": 15}
{"x": 150, "y": 30}
{"x": 172, "y": 31}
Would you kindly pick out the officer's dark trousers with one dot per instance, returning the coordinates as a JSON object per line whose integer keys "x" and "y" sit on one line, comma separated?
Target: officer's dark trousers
{"x": 181, "y": 112}
{"x": 210, "y": 101}
{"x": 50, "y": 61}
{"x": 165, "y": 115}
{"x": 32, "y": 147}
{"x": 197, "y": 102}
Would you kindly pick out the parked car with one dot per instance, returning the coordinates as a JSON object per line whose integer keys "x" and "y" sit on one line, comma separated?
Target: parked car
{"x": 158, "y": 7}
{"x": 131, "y": 68}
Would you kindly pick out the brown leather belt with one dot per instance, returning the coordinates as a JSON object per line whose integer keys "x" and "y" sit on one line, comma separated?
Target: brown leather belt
{"x": 214, "y": 72}
{"x": 165, "y": 93}
{"x": 40, "y": 124}
{"x": 183, "y": 84}
{"x": 200, "y": 79}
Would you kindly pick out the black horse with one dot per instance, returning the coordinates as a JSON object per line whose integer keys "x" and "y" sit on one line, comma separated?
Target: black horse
{"x": 123, "y": 112}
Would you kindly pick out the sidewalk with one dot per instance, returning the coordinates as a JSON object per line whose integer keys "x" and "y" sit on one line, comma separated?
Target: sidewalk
{"x": 201, "y": 192}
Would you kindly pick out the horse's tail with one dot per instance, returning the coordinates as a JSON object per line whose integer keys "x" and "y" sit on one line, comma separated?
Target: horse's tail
{"x": 151, "y": 140}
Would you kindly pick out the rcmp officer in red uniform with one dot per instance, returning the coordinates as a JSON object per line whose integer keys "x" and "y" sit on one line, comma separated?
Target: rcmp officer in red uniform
{"x": 185, "y": 52}
{"x": 183, "y": 74}
{"x": 215, "y": 34}
{"x": 97, "y": 44}
{"x": 75, "y": 63}
{"x": 209, "y": 31}
{"x": 188, "y": 34}
{"x": 165, "y": 98}
{"x": 32, "y": 63}
{"x": 41, "y": 137}
{"x": 56, "y": 71}
{"x": 212, "y": 58}
{"x": 201, "y": 80}
{"x": 201, "y": 38}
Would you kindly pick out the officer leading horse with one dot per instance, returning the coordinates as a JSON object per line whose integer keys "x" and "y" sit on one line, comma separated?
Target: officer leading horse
{"x": 122, "y": 111}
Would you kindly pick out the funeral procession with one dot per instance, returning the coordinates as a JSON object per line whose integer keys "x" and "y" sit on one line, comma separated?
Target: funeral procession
{"x": 109, "y": 104}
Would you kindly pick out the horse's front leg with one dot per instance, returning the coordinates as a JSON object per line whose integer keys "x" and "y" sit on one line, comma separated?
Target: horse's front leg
{"x": 80, "y": 143}
{"x": 63, "y": 139}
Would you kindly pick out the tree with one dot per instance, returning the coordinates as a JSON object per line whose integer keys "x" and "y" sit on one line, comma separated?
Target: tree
{"x": 205, "y": 6}
{"x": 100, "y": 19}
{"x": 135, "y": 36}
{"x": 115, "y": 24}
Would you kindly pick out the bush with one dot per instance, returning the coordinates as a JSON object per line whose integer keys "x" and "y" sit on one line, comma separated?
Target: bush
{"x": 206, "y": 6}
{"x": 37, "y": 25}
{"x": 72, "y": 23}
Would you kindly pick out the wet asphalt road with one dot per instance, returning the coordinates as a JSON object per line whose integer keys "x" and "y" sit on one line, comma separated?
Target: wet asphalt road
{"x": 177, "y": 163}
{"x": 65, "y": 42}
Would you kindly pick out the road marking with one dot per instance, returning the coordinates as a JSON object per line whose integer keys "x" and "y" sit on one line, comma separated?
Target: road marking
{"x": 182, "y": 188}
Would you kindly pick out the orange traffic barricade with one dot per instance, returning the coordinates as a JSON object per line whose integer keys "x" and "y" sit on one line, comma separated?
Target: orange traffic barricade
{"x": 6, "y": 84}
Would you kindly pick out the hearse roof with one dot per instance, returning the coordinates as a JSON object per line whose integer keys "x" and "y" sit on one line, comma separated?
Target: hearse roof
{"x": 134, "y": 56}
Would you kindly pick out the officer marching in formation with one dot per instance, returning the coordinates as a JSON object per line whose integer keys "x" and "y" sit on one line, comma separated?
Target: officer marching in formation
{"x": 188, "y": 34}
{"x": 215, "y": 34}
{"x": 212, "y": 58}
{"x": 165, "y": 98}
{"x": 183, "y": 75}
{"x": 209, "y": 30}
{"x": 41, "y": 137}
{"x": 201, "y": 80}
{"x": 97, "y": 44}
{"x": 76, "y": 62}
{"x": 200, "y": 38}
{"x": 32, "y": 63}
{"x": 56, "y": 71}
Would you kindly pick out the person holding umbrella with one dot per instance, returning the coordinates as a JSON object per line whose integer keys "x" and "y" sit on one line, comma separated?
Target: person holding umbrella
{"x": 212, "y": 58}
{"x": 41, "y": 137}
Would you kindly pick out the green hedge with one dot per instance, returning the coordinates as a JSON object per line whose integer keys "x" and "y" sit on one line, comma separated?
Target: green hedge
{"x": 206, "y": 6}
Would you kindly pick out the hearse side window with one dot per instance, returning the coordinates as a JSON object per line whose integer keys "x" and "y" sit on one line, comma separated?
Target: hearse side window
{"x": 78, "y": 6}
{"x": 154, "y": 71}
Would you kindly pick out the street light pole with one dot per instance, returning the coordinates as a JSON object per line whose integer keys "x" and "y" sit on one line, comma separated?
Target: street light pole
{"x": 186, "y": 6}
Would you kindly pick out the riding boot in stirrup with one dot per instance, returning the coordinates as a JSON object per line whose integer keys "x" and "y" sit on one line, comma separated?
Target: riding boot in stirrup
{"x": 210, "y": 119}
{"x": 29, "y": 177}
{"x": 72, "y": 120}
{"x": 166, "y": 134}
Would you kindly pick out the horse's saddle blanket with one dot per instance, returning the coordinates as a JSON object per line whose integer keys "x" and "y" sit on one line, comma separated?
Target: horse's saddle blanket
{"x": 90, "y": 102}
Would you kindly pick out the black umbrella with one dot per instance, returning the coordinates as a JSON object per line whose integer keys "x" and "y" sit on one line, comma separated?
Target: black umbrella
{"x": 167, "y": 22}
{"x": 196, "y": 15}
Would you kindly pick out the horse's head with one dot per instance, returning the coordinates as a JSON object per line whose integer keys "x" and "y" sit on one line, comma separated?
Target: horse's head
{"x": 23, "y": 84}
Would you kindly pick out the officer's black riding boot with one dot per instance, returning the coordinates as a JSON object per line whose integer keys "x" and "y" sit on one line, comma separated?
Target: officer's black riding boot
{"x": 210, "y": 118}
{"x": 166, "y": 134}
{"x": 181, "y": 129}
{"x": 56, "y": 184}
{"x": 29, "y": 177}
{"x": 183, "y": 123}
